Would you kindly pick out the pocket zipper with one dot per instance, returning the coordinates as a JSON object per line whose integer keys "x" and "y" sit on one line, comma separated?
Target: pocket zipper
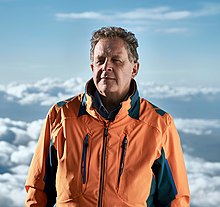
{"x": 123, "y": 152}
{"x": 83, "y": 164}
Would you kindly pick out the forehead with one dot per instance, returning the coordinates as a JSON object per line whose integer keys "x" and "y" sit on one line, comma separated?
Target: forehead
{"x": 110, "y": 47}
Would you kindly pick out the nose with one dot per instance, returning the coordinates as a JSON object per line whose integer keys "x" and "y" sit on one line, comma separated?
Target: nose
{"x": 107, "y": 66}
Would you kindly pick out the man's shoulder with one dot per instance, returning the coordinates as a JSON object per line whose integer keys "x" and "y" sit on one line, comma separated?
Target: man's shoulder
{"x": 154, "y": 115}
{"x": 71, "y": 101}
{"x": 68, "y": 107}
{"x": 67, "y": 101}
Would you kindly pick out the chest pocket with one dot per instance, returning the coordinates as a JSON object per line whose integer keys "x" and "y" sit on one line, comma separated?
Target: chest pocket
{"x": 72, "y": 172}
{"x": 134, "y": 176}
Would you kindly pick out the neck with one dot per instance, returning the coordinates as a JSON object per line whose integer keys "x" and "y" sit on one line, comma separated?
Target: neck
{"x": 112, "y": 101}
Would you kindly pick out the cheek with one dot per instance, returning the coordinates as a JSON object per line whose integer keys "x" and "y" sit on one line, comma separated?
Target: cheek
{"x": 96, "y": 73}
{"x": 124, "y": 75}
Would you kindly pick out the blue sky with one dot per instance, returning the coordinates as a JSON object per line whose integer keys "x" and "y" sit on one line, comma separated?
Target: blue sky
{"x": 179, "y": 40}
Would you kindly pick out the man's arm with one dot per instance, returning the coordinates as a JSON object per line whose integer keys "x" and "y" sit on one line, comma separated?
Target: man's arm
{"x": 170, "y": 184}
{"x": 40, "y": 183}
{"x": 175, "y": 161}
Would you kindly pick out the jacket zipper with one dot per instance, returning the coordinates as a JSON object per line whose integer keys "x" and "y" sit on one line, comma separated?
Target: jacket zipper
{"x": 123, "y": 152}
{"x": 103, "y": 164}
{"x": 83, "y": 164}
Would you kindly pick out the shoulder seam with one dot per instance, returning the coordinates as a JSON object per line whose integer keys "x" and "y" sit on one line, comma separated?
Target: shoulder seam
{"x": 157, "y": 109}
{"x": 64, "y": 102}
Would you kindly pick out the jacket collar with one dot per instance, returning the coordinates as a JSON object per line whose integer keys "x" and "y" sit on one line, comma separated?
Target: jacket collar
{"x": 101, "y": 109}
{"x": 131, "y": 106}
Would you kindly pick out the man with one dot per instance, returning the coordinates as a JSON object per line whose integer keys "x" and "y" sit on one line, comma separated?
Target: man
{"x": 108, "y": 147}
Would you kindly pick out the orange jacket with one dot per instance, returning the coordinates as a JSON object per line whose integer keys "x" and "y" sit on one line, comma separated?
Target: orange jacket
{"x": 83, "y": 160}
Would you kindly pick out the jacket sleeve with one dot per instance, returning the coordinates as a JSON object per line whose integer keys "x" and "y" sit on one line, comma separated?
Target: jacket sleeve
{"x": 40, "y": 182}
{"x": 170, "y": 173}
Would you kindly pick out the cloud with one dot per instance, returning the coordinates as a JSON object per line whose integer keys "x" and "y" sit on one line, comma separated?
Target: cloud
{"x": 18, "y": 132}
{"x": 157, "y": 13}
{"x": 142, "y": 18}
{"x": 48, "y": 91}
{"x": 173, "y": 30}
{"x": 207, "y": 9}
{"x": 197, "y": 126}
{"x": 31, "y": 101}
{"x": 17, "y": 141}
{"x": 160, "y": 13}
{"x": 16, "y": 151}
{"x": 45, "y": 92}
{"x": 83, "y": 15}
{"x": 5, "y": 155}
{"x": 5, "y": 200}
{"x": 204, "y": 181}
{"x": 13, "y": 193}
{"x": 162, "y": 91}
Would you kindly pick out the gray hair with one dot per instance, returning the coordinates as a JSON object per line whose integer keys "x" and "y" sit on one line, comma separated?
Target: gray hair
{"x": 114, "y": 32}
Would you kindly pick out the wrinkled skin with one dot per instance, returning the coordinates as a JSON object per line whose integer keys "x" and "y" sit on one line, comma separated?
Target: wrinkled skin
{"x": 112, "y": 70}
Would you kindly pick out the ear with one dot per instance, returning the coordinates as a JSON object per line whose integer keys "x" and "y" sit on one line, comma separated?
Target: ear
{"x": 135, "y": 69}
{"x": 92, "y": 66}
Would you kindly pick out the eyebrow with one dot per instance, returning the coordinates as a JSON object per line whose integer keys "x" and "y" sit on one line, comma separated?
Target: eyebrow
{"x": 104, "y": 56}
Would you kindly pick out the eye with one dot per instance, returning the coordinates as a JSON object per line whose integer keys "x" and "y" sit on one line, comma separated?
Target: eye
{"x": 116, "y": 60}
{"x": 100, "y": 61}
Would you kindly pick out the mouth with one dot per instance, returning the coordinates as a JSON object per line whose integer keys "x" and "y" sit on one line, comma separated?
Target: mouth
{"x": 106, "y": 78}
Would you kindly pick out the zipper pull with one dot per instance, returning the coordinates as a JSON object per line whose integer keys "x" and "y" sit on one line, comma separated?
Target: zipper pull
{"x": 106, "y": 131}
{"x": 106, "y": 126}
{"x": 123, "y": 152}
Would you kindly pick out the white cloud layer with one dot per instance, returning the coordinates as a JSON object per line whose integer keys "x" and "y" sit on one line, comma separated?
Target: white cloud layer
{"x": 204, "y": 181}
{"x": 197, "y": 126}
{"x": 17, "y": 143}
{"x": 45, "y": 92}
{"x": 48, "y": 91}
{"x": 18, "y": 140}
{"x": 154, "y": 90}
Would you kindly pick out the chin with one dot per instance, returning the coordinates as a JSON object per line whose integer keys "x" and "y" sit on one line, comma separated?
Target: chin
{"x": 105, "y": 91}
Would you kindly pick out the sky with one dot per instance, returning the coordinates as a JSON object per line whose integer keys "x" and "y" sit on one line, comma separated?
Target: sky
{"x": 179, "y": 41}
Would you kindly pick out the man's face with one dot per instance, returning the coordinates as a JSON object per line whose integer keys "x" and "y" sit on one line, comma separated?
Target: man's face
{"x": 111, "y": 67}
